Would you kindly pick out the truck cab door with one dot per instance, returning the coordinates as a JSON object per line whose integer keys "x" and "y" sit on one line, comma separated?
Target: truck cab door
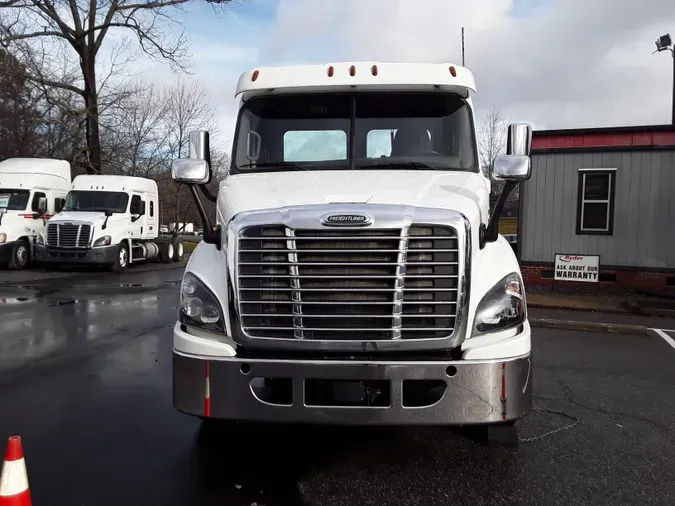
{"x": 152, "y": 218}
{"x": 138, "y": 211}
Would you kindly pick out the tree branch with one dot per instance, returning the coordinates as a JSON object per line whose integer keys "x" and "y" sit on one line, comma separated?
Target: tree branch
{"x": 22, "y": 36}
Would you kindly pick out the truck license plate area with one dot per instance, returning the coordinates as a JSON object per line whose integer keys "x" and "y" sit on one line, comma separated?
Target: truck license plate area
{"x": 369, "y": 393}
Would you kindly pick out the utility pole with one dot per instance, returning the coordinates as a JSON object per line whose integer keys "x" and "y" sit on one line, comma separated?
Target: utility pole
{"x": 665, "y": 43}
{"x": 463, "y": 64}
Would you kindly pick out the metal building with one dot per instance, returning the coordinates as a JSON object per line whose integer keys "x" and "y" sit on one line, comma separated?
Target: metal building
{"x": 600, "y": 207}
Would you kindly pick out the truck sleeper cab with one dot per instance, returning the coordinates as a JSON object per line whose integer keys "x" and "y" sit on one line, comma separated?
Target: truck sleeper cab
{"x": 32, "y": 190}
{"x": 354, "y": 274}
{"x": 107, "y": 220}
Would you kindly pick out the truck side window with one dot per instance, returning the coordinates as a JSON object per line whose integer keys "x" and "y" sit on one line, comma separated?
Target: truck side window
{"x": 58, "y": 204}
{"x": 378, "y": 143}
{"x": 135, "y": 206}
{"x": 315, "y": 145}
{"x": 152, "y": 208}
{"x": 36, "y": 201}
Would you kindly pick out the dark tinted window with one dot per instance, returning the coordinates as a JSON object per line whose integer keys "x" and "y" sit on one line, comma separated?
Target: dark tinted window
{"x": 16, "y": 200}
{"x": 313, "y": 131}
{"x": 101, "y": 201}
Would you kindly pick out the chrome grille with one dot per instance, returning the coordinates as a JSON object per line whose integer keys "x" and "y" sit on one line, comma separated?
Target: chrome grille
{"x": 355, "y": 284}
{"x": 68, "y": 235}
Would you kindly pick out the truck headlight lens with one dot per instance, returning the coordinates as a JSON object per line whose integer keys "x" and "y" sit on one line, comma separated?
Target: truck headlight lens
{"x": 3, "y": 238}
{"x": 106, "y": 240}
{"x": 503, "y": 307}
{"x": 199, "y": 307}
{"x": 40, "y": 240}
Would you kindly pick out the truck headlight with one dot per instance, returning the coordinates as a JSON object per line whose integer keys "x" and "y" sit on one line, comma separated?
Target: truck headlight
{"x": 3, "y": 238}
{"x": 40, "y": 240}
{"x": 503, "y": 307}
{"x": 106, "y": 240}
{"x": 199, "y": 307}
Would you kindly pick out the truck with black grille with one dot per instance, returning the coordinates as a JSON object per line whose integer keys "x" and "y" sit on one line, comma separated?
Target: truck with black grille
{"x": 354, "y": 273}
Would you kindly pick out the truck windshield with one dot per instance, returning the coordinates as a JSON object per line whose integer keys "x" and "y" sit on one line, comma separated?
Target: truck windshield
{"x": 314, "y": 131}
{"x": 14, "y": 200}
{"x": 84, "y": 200}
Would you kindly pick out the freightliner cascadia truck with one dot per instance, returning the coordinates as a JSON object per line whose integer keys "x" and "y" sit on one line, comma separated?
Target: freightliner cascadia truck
{"x": 354, "y": 273}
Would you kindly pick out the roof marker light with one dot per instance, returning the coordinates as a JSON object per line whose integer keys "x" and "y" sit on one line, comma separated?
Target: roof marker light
{"x": 453, "y": 71}
{"x": 331, "y": 71}
{"x": 373, "y": 70}
{"x": 256, "y": 73}
{"x": 352, "y": 71}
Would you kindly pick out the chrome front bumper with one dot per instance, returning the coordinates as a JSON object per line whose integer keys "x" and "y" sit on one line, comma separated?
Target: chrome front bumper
{"x": 479, "y": 392}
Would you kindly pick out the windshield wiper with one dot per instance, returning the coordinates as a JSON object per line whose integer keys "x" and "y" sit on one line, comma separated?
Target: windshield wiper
{"x": 273, "y": 165}
{"x": 397, "y": 165}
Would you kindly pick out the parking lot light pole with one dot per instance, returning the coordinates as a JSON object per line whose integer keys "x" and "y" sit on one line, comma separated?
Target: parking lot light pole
{"x": 665, "y": 43}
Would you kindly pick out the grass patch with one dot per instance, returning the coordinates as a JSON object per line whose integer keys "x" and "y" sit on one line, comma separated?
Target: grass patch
{"x": 189, "y": 247}
{"x": 508, "y": 226}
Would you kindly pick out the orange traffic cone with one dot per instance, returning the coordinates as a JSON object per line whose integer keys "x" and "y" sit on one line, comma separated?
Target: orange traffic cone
{"x": 14, "y": 489}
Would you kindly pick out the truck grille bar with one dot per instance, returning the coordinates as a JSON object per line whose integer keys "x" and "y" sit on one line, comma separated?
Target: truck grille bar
{"x": 354, "y": 284}
{"x": 60, "y": 235}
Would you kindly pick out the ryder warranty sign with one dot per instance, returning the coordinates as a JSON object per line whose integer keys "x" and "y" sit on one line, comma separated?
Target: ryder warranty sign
{"x": 584, "y": 268}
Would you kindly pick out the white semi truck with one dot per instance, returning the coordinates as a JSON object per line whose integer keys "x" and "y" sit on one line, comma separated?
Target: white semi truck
{"x": 31, "y": 191}
{"x": 355, "y": 273}
{"x": 108, "y": 220}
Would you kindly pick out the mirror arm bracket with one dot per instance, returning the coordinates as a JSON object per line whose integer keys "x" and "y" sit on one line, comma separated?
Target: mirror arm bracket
{"x": 490, "y": 233}
{"x": 212, "y": 235}
{"x": 207, "y": 193}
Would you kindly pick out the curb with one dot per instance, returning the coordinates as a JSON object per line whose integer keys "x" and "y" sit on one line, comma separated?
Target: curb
{"x": 608, "y": 328}
{"x": 612, "y": 310}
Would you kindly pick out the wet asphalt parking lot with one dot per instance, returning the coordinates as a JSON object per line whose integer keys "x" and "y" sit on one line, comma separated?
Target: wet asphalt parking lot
{"x": 85, "y": 379}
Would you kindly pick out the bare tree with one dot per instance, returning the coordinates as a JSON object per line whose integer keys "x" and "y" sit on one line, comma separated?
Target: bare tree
{"x": 136, "y": 141}
{"x": 187, "y": 109}
{"x": 492, "y": 135}
{"x": 82, "y": 26}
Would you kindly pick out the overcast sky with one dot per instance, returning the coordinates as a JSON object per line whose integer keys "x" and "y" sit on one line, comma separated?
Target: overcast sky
{"x": 552, "y": 63}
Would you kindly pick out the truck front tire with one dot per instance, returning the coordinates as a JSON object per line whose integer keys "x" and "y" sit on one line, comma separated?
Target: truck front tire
{"x": 121, "y": 259}
{"x": 20, "y": 255}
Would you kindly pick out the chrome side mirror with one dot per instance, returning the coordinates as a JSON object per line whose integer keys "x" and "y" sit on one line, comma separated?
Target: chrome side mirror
{"x": 42, "y": 205}
{"x": 190, "y": 171}
{"x": 519, "y": 139}
{"x": 199, "y": 146}
{"x": 513, "y": 168}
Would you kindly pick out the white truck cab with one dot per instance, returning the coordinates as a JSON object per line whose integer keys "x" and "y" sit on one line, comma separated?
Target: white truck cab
{"x": 354, "y": 274}
{"x": 107, "y": 220}
{"x": 31, "y": 191}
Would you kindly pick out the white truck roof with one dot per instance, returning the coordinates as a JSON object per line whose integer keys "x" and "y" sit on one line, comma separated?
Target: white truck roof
{"x": 357, "y": 76}
{"x": 36, "y": 166}
{"x": 114, "y": 183}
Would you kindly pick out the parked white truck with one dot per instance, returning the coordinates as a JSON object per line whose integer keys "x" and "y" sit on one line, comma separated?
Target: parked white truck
{"x": 31, "y": 191}
{"x": 355, "y": 274}
{"x": 108, "y": 220}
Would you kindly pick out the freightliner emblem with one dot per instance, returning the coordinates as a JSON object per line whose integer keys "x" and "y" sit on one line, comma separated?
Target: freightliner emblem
{"x": 346, "y": 220}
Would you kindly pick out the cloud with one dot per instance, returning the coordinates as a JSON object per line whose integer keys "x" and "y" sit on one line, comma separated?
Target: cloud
{"x": 552, "y": 63}
{"x": 556, "y": 64}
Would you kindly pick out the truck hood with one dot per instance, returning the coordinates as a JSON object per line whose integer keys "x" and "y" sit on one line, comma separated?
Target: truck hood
{"x": 18, "y": 223}
{"x": 466, "y": 192}
{"x": 95, "y": 218}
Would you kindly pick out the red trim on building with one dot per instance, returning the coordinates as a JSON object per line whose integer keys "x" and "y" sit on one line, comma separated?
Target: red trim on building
{"x": 600, "y": 139}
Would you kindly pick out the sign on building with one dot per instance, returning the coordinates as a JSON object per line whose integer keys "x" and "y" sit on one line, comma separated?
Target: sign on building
{"x": 584, "y": 268}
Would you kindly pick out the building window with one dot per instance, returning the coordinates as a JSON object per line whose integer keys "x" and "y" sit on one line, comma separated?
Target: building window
{"x": 595, "y": 206}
